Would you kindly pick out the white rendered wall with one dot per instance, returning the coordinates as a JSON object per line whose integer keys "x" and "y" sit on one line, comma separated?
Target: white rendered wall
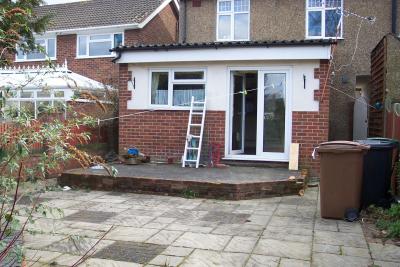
{"x": 218, "y": 82}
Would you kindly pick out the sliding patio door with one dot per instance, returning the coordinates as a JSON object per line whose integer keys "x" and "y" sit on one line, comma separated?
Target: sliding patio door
{"x": 273, "y": 133}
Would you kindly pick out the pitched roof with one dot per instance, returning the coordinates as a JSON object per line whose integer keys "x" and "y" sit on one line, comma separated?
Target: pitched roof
{"x": 97, "y": 13}
{"x": 176, "y": 46}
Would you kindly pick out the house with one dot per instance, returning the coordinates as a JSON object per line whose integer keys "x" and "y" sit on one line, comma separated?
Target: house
{"x": 385, "y": 88}
{"x": 82, "y": 33}
{"x": 229, "y": 47}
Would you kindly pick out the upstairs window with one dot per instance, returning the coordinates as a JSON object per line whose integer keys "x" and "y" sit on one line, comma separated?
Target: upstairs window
{"x": 46, "y": 49}
{"x": 98, "y": 45}
{"x": 323, "y": 18}
{"x": 233, "y": 20}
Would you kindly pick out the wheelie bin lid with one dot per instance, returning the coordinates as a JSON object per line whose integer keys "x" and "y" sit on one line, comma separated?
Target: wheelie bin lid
{"x": 395, "y": 142}
{"x": 341, "y": 147}
{"x": 378, "y": 144}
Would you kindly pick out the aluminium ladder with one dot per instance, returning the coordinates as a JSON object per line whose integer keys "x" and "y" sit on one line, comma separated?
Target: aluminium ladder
{"x": 191, "y": 155}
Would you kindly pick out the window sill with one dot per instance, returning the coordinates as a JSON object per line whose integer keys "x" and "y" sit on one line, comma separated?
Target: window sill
{"x": 92, "y": 57}
{"x": 33, "y": 60}
{"x": 168, "y": 108}
{"x": 324, "y": 38}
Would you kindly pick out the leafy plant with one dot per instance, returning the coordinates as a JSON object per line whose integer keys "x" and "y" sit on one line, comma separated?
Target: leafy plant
{"x": 190, "y": 194}
{"x": 387, "y": 220}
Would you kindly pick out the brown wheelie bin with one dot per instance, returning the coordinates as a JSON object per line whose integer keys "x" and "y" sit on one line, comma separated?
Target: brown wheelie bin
{"x": 340, "y": 177}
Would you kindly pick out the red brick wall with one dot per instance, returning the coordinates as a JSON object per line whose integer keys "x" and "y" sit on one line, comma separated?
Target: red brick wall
{"x": 161, "y": 29}
{"x": 161, "y": 134}
{"x": 312, "y": 128}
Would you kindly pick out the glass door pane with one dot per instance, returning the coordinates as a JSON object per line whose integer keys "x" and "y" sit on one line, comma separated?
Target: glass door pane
{"x": 274, "y": 112}
{"x": 238, "y": 113}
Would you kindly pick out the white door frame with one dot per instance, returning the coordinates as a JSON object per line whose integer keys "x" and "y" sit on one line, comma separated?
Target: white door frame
{"x": 232, "y": 84}
{"x": 284, "y": 157}
{"x": 274, "y": 156}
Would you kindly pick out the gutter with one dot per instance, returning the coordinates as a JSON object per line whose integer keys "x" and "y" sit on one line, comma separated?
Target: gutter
{"x": 394, "y": 16}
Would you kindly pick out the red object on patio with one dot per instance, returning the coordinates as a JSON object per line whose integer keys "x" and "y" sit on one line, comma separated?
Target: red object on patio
{"x": 216, "y": 154}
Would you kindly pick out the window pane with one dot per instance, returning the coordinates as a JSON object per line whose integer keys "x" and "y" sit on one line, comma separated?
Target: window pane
{"x": 26, "y": 94}
{"x": 241, "y": 5}
{"x": 82, "y": 45}
{"x": 59, "y": 94}
{"x": 332, "y": 19}
{"x": 314, "y": 23}
{"x": 51, "y": 47}
{"x": 314, "y": 3}
{"x": 333, "y": 3}
{"x": 100, "y": 37}
{"x": 192, "y": 75}
{"x": 99, "y": 48}
{"x": 224, "y": 27}
{"x": 20, "y": 54}
{"x": 225, "y": 6}
{"x": 159, "y": 88}
{"x": 241, "y": 26}
{"x": 43, "y": 107}
{"x": 28, "y": 108}
{"x": 36, "y": 54}
{"x": 183, "y": 93}
{"x": 117, "y": 39}
{"x": 44, "y": 94}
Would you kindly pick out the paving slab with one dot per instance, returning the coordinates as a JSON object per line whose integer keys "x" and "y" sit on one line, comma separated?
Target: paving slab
{"x": 331, "y": 260}
{"x": 90, "y": 216}
{"x": 177, "y": 251}
{"x": 241, "y": 244}
{"x": 262, "y": 261}
{"x": 164, "y": 237}
{"x": 294, "y": 263}
{"x": 134, "y": 252}
{"x": 207, "y": 258}
{"x": 287, "y": 249}
{"x": 134, "y": 234}
{"x": 386, "y": 252}
{"x": 202, "y": 241}
{"x": 340, "y": 239}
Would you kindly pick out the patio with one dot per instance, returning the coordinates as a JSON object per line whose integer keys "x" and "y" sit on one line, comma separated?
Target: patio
{"x": 150, "y": 230}
{"x": 227, "y": 183}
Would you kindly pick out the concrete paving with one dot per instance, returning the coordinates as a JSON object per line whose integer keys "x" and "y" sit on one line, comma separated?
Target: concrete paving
{"x": 148, "y": 230}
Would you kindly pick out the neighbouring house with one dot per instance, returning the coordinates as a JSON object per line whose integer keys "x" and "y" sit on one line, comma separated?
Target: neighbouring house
{"x": 385, "y": 88}
{"x": 82, "y": 33}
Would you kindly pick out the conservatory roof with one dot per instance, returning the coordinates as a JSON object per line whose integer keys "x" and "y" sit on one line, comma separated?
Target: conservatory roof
{"x": 45, "y": 77}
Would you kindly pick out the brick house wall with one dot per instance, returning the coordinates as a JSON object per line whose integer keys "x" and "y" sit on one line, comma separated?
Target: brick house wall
{"x": 161, "y": 134}
{"x": 285, "y": 20}
{"x": 161, "y": 29}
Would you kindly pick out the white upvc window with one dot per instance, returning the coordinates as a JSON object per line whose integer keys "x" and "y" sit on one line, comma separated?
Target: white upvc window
{"x": 98, "y": 45}
{"x": 175, "y": 87}
{"x": 36, "y": 102}
{"x": 233, "y": 20}
{"x": 49, "y": 46}
{"x": 323, "y": 18}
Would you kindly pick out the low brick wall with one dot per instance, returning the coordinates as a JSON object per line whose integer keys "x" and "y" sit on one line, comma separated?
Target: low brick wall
{"x": 202, "y": 189}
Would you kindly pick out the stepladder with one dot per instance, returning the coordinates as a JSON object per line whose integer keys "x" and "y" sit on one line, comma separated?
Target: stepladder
{"x": 194, "y": 134}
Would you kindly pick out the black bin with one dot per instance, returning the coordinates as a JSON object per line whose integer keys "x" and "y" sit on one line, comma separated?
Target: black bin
{"x": 378, "y": 167}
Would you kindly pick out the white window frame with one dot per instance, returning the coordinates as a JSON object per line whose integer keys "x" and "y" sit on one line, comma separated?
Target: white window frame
{"x": 232, "y": 14}
{"x": 172, "y": 81}
{"x": 323, "y": 9}
{"x": 111, "y": 35}
{"x": 46, "y": 44}
{"x": 35, "y": 99}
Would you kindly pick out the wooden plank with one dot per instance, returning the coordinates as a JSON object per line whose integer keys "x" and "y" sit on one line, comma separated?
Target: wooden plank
{"x": 294, "y": 157}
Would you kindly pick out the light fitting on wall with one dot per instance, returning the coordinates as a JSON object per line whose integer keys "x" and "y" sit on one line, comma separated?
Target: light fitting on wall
{"x": 133, "y": 82}
{"x": 304, "y": 81}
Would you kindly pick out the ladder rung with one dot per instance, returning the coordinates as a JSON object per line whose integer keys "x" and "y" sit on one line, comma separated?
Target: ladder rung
{"x": 195, "y": 124}
{"x": 190, "y": 160}
{"x": 198, "y": 102}
{"x": 197, "y": 113}
{"x": 193, "y": 148}
{"x": 195, "y": 136}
